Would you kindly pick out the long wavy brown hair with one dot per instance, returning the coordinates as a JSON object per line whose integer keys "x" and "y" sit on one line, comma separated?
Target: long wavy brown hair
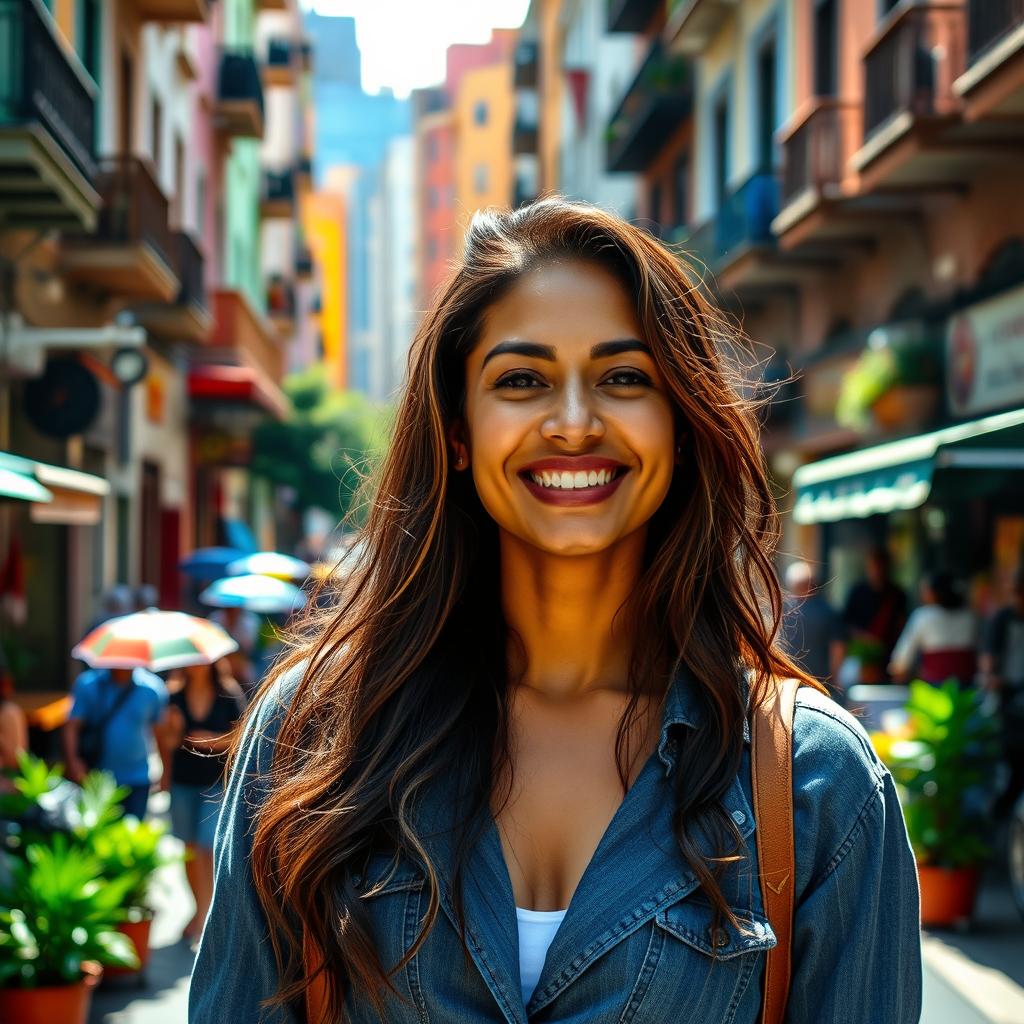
{"x": 405, "y": 676}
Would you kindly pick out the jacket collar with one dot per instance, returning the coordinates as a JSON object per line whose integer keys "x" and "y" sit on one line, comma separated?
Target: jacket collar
{"x": 683, "y": 707}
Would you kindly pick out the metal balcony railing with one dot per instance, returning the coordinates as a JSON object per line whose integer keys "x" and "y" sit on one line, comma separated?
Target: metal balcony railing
{"x": 279, "y": 53}
{"x": 238, "y": 78}
{"x": 190, "y": 272}
{"x": 278, "y": 186}
{"x": 988, "y": 22}
{"x": 912, "y": 67}
{"x": 815, "y": 153}
{"x": 134, "y": 208}
{"x": 657, "y": 101}
{"x": 525, "y": 66}
{"x": 39, "y": 85}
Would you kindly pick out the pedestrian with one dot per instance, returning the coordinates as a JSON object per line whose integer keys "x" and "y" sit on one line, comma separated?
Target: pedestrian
{"x": 1002, "y": 666}
{"x": 507, "y": 775}
{"x": 874, "y": 615}
{"x": 119, "y": 709}
{"x": 117, "y": 601}
{"x": 812, "y": 632}
{"x": 144, "y": 597}
{"x": 243, "y": 626}
{"x": 940, "y": 637}
{"x": 205, "y": 706}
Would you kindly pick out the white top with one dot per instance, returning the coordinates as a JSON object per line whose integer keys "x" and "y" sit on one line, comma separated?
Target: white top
{"x": 536, "y": 930}
{"x": 933, "y": 628}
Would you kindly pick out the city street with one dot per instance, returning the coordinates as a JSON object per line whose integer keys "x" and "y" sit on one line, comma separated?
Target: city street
{"x": 974, "y": 977}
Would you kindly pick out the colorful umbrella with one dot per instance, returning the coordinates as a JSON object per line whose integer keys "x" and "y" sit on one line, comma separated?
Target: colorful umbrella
{"x": 209, "y": 563}
{"x": 270, "y": 563}
{"x": 262, "y": 594}
{"x": 155, "y": 640}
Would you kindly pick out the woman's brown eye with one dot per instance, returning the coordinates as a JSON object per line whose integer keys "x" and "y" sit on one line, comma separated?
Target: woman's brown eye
{"x": 628, "y": 378}
{"x": 518, "y": 380}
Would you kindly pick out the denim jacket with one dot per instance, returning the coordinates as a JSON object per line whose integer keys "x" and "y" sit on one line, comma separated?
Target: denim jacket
{"x": 636, "y": 943}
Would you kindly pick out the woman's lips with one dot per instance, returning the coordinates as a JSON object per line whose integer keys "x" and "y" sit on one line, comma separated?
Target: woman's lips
{"x": 573, "y": 496}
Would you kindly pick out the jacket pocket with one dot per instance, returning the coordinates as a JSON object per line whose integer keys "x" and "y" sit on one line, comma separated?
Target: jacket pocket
{"x": 698, "y": 970}
{"x": 391, "y": 893}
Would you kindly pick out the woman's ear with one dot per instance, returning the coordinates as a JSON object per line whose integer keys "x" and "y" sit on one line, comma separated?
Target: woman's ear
{"x": 460, "y": 447}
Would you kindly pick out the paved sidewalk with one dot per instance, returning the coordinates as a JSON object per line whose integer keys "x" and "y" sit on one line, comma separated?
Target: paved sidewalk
{"x": 977, "y": 976}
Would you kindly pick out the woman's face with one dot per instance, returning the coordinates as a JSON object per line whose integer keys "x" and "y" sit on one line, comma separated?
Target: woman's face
{"x": 568, "y": 431}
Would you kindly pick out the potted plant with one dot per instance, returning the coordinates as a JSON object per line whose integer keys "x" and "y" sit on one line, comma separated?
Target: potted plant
{"x": 894, "y": 382}
{"x": 58, "y": 927}
{"x": 130, "y": 848}
{"x": 944, "y": 770}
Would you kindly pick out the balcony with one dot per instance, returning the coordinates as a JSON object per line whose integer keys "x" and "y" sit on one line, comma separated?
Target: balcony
{"x": 279, "y": 68}
{"x": 47, "y": 118}
{"x": 188, "y": 317}
{"x": 524, "y": 134}
{"x": 631, "y": 15}
{"x": 132, "y": 252}
{"x": 238, "y": 111}
{"x": 281, "y": 305}
{"x": 243, "y": 338}
{"x": 524, "y": 67}
{"x": 172, "y": 11}
{"x": 693, "y": 24}
{"x": 277, "y": 198}
{"x": 657, "y": 102}
{"x": 909, "y": 103}
{"x": 303, "y": 263}
{"x": 993, "y": 84}
{"x": 817, "y": 147}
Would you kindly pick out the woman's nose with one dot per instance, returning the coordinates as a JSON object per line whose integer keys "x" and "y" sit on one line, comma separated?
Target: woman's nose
{"x": 573, "y": 419}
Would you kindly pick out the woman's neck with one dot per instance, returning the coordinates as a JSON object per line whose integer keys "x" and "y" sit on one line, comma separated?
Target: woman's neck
{"x": 571, "y": 615}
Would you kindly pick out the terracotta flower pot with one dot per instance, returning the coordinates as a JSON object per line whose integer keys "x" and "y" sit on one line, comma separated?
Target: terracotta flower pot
{"x": 68, "y": 1004}
{"x": 138, "y": 932}
{"x": 947, "y": 894}
{"x": 907, "y": 405}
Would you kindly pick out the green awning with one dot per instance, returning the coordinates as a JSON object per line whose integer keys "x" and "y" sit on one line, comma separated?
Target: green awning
{"x": 29, "y": 480}
{"x": 18, "y": 480}
{"x": 904, "y": 474}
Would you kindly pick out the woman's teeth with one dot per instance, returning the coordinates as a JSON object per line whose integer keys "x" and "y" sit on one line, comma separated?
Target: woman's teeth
{"x": 571, "y": 481}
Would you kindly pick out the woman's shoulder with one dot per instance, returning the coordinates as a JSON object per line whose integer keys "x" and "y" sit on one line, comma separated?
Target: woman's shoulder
{"x": 838, "y": 781}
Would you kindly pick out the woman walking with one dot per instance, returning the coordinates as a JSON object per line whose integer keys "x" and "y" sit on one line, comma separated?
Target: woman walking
{"x": 505, "y": 776}
{"x": 940, "y": 638}
{"x": 205, "y": 706}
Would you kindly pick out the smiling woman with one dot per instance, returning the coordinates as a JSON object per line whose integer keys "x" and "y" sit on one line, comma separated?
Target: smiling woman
{"x": 505, "y": 773}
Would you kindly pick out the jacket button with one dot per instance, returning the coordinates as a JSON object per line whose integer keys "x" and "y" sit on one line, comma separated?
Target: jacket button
{"x": 719, "y": 937}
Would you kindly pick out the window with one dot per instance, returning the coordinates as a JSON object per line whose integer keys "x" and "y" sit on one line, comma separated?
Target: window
{"x": 720, "y": 151}
{"x": 480, "y": 178}
{"x": 766, "y": 98}
{"x": 177, "y": 211}
{"x": 681, "y": 190}
{"x": 126, "y": 113}
{"x": 654, "y": 204}
{"x": 157, "y": 134}
{"x": 89, "y": 37}
{"x": 480, "y": 112}
{"x": 826, "y": 48}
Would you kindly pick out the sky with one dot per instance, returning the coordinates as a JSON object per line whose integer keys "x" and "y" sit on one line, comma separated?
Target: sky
{"x": 403, "y": 41}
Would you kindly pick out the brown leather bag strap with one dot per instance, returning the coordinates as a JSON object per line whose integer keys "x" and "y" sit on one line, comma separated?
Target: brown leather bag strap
{"x": 772, "y": 781}
{"x": 316, "y": 993}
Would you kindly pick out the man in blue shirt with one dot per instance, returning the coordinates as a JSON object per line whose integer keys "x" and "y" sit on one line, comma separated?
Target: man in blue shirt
{"x": 126, "y": 735}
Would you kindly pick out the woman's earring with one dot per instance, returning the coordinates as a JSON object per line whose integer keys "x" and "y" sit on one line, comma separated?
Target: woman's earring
{"x": 458, "y": 462}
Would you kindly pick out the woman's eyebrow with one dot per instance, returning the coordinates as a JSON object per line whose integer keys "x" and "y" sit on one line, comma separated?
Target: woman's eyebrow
{"x": 534, "y": 350}
{"x": 521, "y": 348}
{"x": 615, "y": 348}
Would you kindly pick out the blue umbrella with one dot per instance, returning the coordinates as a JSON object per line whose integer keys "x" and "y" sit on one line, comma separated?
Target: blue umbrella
{"x": 209, "y": 563}
{"x": 262, "y": 594}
